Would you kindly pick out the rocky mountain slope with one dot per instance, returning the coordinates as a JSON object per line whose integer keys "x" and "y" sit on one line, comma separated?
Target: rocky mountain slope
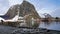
{"x": 24, "y": 9}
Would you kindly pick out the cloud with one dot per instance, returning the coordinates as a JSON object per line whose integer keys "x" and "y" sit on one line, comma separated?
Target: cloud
{"x": 14, "y": 2}
{"x": 4, "y": 4}
{"x": 46, "y": 6}
{"x": 56, "y": 12}
{"x": 53, "y": 13}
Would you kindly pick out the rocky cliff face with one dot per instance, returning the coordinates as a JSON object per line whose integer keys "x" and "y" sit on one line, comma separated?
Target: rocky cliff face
{"x": 24, "y": 9}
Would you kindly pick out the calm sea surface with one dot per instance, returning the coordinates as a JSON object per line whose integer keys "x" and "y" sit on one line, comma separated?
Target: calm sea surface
{"x": 50, "y": 25}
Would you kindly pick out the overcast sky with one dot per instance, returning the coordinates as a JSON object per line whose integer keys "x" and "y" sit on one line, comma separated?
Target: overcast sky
{"x": 51, "y": 7}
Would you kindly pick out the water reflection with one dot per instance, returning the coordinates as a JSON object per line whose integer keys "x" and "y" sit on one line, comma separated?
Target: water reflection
{"x": 50, "y": 25}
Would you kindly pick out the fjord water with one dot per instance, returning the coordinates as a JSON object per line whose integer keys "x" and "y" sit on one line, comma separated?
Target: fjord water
{"x": 50, "y": 25}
